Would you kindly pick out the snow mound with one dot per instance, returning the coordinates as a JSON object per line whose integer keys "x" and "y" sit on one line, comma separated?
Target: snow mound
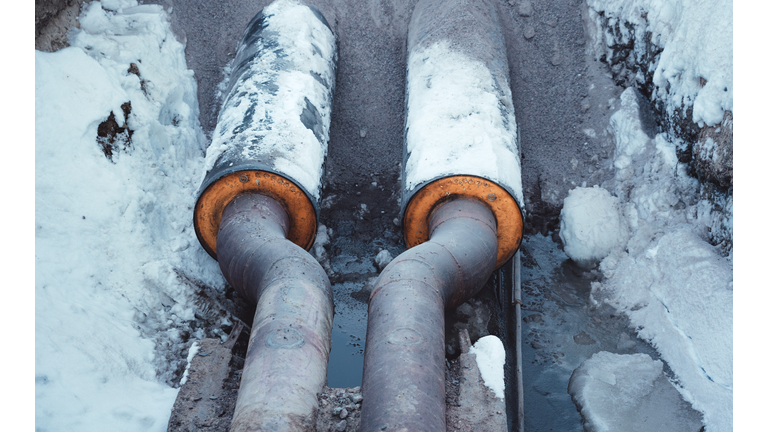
{"x": 117, "y": 264}
{"x": 675, "y": 287}
{"x": 617, "y": 392}
{"x": 490, "y": 357}
{"x": 591, "y": 225}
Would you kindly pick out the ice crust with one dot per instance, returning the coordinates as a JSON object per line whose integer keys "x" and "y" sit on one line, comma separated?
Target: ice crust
{"x": 293, "y": 60}
{"x": 675, "y": 287}
{"x": 697, "y": 42}
{"x": 490, "y": 357}
{"x": 455, "y": 122}
{"x": 113, "y": 238}
{"x": 628, "y": 392}
{"x": 591, "y": 225}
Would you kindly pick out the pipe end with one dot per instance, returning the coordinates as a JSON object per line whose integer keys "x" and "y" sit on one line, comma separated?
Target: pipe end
{"x": 509, "y": 218}
{"x": 214, "y": 199}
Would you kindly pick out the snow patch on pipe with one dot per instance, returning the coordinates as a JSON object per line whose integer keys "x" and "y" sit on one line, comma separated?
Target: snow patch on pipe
{"x": 459, "y": 121}
{"x": 290, "y": 77}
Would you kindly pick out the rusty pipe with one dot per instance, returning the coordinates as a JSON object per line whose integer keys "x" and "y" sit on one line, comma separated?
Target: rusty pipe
{"x": 404, "y": 365}
{"x": 287, "y": 359}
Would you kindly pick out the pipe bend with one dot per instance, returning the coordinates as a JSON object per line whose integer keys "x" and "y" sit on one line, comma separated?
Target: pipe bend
{"x": 403, "y": 371}
{"x": 290, "y": 341}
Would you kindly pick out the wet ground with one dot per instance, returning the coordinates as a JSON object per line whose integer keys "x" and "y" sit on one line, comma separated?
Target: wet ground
{"x": 561, "y": 329}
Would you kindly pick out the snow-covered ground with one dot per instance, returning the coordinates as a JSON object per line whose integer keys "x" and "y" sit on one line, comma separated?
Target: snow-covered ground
{"x": 116, "y": 258}
{"x": 676, "y": 288}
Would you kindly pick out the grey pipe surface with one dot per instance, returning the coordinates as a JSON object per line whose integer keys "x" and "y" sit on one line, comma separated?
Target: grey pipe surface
{"x": 287, "y": 359}
{"x": 404, "y": 365}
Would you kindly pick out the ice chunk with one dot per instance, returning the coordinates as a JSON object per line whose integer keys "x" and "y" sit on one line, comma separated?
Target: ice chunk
{"x": 616, "y": 392}
{"x": 591, "y": 225}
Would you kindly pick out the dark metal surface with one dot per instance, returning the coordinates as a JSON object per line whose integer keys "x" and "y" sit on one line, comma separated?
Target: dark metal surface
{"x": 287, "y": 358}
{"x": 404, "y": 370}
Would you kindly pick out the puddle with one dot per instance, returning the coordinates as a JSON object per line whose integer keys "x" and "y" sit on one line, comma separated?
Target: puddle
{"x": 560, "y": 330}
{"x": 345, "y": 366}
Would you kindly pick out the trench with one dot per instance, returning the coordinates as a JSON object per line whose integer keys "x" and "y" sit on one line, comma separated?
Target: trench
{"x": 550, "y": 78}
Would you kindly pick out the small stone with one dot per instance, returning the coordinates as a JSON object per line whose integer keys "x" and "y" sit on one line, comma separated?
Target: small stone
{"x": 585, "y": 105}
{"x": 357, "y": 398}
{"x": 337, "y": 411}
{"x": 529, "y": 32}
{"x": 525, "y": 9}
{"x": 343, "y": 413}
{"x": 536, "y": 345}
{"x": 341, "y": 426}
{"x": 556, "y": 59}
{"x": 583, "y": 339}
{"x": 363, "y": 133}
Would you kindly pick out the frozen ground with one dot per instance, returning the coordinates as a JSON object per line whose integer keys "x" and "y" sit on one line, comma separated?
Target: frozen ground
{"x": 118, "y": 268}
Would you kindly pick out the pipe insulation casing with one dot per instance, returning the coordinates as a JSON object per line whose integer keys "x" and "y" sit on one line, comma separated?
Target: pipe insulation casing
{"x": 271, "y": 136}
{"x": 461, "y": 135}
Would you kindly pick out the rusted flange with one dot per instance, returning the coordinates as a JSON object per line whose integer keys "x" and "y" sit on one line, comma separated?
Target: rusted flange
{"x": 509, "y": 219}
{"x": 210, "y": 206}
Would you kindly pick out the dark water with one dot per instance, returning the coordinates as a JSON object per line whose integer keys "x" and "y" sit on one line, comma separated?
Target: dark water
{"x": 561, "y": 328}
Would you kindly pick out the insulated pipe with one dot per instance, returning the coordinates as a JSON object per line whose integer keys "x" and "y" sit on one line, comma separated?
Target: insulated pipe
{"x": 461, "y": 136}
{"x": 287, "y": 359}
{"x": 404, "y": 366}
{"x": 257, "y": 210}
{"x": 461, "y": 197}
{"x": 271, "y": 136}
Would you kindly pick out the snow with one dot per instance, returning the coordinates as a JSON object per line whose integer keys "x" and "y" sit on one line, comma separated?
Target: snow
{"x": 490, "y": 357}
{"x": 193, "y": 350}
{"x": 455, "y": 123}
{"x": 629, "y": 392}
{"x": 591, "y": 225}
{"x": 675, "y": 287}
{"x": 114, "y": 245}
{"x": 695, "y": 68}
{"x": 295, "y": 64}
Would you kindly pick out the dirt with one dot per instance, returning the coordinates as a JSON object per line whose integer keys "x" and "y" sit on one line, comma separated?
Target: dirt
{"x": 469, "y": 404}
{"x": 53, "y": 18}
{"x": 207, "y": 400}
{"x": 112, "y": 137}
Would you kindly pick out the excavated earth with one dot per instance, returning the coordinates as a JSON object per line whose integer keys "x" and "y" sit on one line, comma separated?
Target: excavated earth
{"x": 563, "y": 100}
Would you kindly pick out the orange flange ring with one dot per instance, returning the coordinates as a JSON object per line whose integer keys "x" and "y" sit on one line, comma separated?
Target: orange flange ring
{"x": 509, "y": 219}
{"x": 210, "y": 206}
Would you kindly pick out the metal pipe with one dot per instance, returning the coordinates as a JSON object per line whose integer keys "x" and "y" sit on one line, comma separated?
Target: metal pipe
{"x": 287, "y": 359}
{"x": 404, "y": 365}
{"x": 461, "y": 198}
